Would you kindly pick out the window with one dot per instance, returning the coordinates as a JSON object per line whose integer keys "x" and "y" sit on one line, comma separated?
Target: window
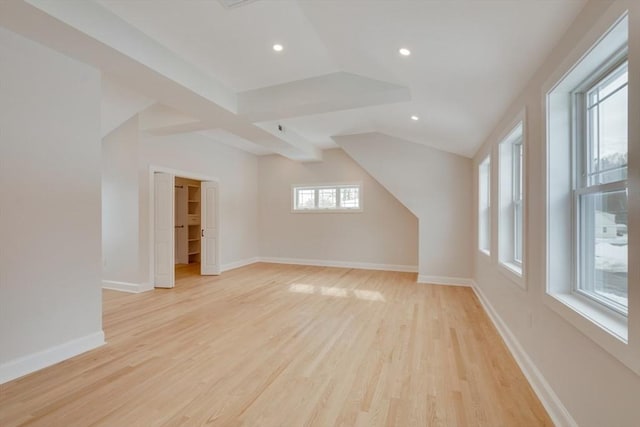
{"x": 511, "y": 209}
{"x": 484, "y": 206}
{"x": 600, "y": 196}
{"x": 327, "y": 198}
{"x": 588, "y": 189}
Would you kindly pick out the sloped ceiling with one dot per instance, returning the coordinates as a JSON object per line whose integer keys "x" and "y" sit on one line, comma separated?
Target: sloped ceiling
{"x": 339, "y": 71}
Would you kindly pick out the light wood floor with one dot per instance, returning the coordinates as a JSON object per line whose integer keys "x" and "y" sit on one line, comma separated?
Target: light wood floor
{"x": 273, "y": 345}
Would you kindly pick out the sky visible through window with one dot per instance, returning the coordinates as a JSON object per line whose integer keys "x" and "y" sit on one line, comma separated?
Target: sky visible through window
{"x": 608, "y": 124}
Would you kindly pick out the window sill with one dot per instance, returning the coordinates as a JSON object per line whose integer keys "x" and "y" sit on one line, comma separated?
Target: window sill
{"x": 608, "y": 320}
{"x": 605, "y": 327}
{"x": 512, "y": 272}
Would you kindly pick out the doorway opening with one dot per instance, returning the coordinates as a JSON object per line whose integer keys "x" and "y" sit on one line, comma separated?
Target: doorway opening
{"x": 185, "y": 226}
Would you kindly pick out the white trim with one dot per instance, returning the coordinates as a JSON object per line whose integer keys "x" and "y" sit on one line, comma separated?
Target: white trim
{"x": 342, "y": 264}
{"x": 237, "y": 264}
{"x": 506, "y": 230}
{"x": 549, "y": 399}
{"x": 443, "y": 280}
{"x": 133, "y": 288}
{"x": 24, "y": 365}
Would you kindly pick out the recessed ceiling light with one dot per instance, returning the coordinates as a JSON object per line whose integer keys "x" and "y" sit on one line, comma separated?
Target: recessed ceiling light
{"x": 278, "y": 47}
{"x": 404, "y": 51}
{"x": 415, "y": 118}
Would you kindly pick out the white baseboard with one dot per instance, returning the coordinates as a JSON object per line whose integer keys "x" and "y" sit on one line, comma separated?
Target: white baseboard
{"x": 342, "y": 264}
{"x": 238, "y": 264}
{"x": 443, "y": 280}
{"x": 133, "y": 288}
{"x": 33, "y": 362}
{"x": 549, "y": 399}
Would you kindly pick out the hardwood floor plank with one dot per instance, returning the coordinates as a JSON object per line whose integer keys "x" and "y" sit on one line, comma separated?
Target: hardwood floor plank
{"x": 272, "y": 345}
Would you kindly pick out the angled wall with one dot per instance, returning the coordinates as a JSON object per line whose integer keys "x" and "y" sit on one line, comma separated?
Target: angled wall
{"x": 384, "y": 235}
{"x": 436, "y": 187}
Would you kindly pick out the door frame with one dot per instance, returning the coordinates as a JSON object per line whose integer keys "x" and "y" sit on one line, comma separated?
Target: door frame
{"x": 151, "y": 217}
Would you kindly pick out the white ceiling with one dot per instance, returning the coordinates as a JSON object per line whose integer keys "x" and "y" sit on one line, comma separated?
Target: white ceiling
{"x": 470, "y": 58}
{"x": 340, "y": 72}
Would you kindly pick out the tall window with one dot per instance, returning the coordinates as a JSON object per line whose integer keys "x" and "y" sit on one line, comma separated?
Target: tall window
{"x": 327, "y": 198}
{"x": 484, "y": 205}
{"x": 586, "y": 219}
{"x": 511, "y": 209}
{"x": 600, "y": 196}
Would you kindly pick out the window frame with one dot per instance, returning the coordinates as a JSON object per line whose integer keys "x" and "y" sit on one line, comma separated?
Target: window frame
{"x": 316, "y": 188}
{"x": 511, "y": 195}
{"x": 616, "y": 334}
{"x": 484, "y": 173}
{"x": 581, "y": 149}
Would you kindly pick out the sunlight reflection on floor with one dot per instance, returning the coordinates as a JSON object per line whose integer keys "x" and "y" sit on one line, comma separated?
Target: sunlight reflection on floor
{"x": 362, "y": 294}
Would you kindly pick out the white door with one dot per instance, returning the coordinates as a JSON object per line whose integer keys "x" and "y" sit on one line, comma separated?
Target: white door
{"x": 210, "y": 260}
{"x": 164, "y": 273}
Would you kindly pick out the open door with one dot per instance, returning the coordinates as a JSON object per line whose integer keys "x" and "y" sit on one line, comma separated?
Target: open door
{"x": 209, "y": 257}
{"x": 164, "y": 207}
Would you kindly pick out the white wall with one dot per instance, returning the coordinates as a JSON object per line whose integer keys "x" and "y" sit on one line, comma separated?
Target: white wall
{"x": 236, "y": 172}
{"x": 50, "y": 256}
{"x": 385, "y": 233}
{"x": 436, "y": 187}
{"x": 118, "y": 105}
{"x": 120, "y": 199}
{"x": 592, "y": 385}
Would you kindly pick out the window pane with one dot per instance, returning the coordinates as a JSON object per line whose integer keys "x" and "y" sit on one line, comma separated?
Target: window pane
{"x": 517, "y": 256}
{"x": 517, "y": 171}
{"x": 607, "y": 130}
{"x": 327, "y": 198}
{"x": 349, "y": 197}
{"x": 306, "y": 199}
{"x": 603, "y": 247}
{"x": 615, "y": 81}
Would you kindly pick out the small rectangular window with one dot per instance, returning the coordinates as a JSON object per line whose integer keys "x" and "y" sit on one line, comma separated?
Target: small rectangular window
{"x": 327, "y": 198}
{"x": 484, "y": 205}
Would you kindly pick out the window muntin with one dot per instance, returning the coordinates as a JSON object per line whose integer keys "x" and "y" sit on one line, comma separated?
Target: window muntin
{"x": 350, "y": 197}
{"x": 600, "y": 196}
{"x": 484, "y": 205}
{"x": 327, "y": 198}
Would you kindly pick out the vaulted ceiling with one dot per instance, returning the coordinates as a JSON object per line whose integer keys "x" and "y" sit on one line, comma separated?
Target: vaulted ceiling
{"x": 339, "y": 71}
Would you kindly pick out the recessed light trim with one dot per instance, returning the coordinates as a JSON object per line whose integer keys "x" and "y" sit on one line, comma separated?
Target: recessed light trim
{"x": 404, "y": 51}
{"x": 415, "y": 118}
{"x": 278, "y": 47}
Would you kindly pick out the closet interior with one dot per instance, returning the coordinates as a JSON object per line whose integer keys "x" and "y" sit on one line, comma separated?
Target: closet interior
{"x": 187, "y": 221}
